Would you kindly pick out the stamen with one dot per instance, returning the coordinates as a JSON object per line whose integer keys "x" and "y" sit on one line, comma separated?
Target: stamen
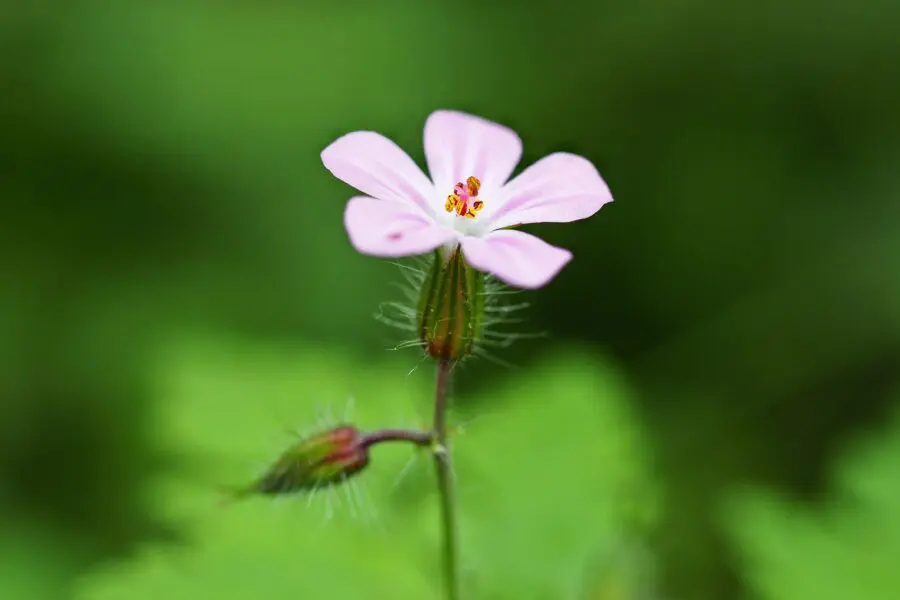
{"x": 464, "y": 199}
{"x": 473, "y": 185}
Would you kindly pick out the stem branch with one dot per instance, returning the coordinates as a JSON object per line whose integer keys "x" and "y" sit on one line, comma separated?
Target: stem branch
{"x": 419, "y": 438}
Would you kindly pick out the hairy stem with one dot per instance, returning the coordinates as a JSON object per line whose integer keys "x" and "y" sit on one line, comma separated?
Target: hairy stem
{"x": 419, "y": 438}
{"x": 444, "y": 469}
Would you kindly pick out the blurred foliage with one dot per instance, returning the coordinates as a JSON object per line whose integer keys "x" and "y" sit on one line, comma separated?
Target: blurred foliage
{"x": 845, "y": 549}
{"x": 37, "y": 563}
{"x": 160, "y": 174}
{"x": 537, "y": 503}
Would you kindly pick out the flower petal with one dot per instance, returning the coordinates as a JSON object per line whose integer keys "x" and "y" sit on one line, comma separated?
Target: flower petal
{"x": 458, "y": 145}
{"x": 378, "y": 167}
{"x": 391, "y": 229}
{"x": 516, "y": 258}
{"x": 559, "y": 188}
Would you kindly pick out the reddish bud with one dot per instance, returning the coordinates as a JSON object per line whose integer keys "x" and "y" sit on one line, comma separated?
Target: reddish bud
{"x": 317, "y": 461}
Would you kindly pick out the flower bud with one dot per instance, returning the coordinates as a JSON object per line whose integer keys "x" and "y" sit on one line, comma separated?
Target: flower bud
{"x": 320, "y": 460}
{"x": 451, "y": 307}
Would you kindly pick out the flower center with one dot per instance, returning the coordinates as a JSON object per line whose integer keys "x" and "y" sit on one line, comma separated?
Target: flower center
{"x": 464, "y": 199}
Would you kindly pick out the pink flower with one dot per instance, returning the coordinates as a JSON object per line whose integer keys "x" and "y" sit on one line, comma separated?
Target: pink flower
{"x": 468, "y": 201}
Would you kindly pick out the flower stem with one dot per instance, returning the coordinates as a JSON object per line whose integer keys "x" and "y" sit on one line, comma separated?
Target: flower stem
{"x": 419, "y": 438}
{"x": 444, "y": 469}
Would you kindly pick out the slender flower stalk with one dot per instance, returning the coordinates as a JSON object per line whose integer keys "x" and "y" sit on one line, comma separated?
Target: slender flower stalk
{"x": 444, "y": 468}
{"x": 418, "y": 438}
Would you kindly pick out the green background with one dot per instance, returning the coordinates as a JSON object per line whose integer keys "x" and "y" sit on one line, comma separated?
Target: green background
{"x": 713, "y": 412}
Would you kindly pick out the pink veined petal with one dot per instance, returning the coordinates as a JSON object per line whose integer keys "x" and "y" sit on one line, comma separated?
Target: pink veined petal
{"x": 391, "y": 229}
{"x": 378, "y": 167}
{"x": 458, "y": 145}
{"x": 559, "y": 188}
{"x": 516, "y": 258}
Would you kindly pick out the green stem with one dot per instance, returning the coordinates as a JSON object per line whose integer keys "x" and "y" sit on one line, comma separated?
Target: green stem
{"x": 444, "y": 469}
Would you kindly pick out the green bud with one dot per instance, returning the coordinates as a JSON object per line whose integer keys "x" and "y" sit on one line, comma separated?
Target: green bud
{"x": 321, "y": 460}
{"x": 451, "y": 307}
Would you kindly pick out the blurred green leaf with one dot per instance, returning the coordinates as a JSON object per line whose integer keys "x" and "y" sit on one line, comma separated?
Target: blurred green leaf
{"x": 37, "y": 560}
{"x": 558, "y": 475}
{"x": 553, "y": 473}
{"x": 846, "y": 549}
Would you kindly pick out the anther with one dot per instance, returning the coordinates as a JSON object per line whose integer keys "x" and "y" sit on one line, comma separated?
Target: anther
{"x": 464, "y": 199}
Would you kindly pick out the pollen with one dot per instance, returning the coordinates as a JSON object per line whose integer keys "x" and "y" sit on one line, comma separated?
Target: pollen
{"x": 464, "y": 200}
